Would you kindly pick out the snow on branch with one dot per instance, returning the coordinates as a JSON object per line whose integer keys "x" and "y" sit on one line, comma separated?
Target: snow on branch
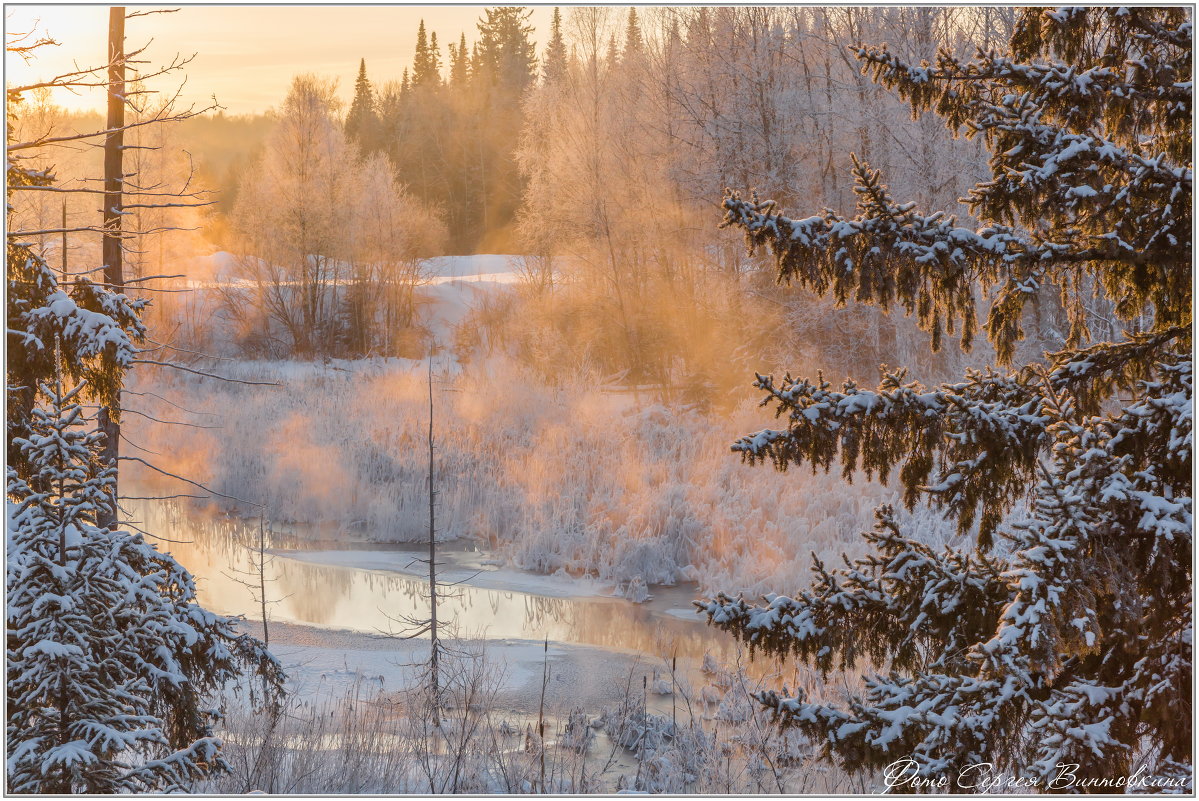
{"x": 969, "y": 447}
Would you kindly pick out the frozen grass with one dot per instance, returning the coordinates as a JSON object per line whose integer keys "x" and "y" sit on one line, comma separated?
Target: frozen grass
{"x": 661, "y": 737}
{"x": 574, "y": 478}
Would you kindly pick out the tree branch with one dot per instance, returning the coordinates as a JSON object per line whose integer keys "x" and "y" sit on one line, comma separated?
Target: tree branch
{"x": 208, "y": 375}
{"x": 188, "y": 481}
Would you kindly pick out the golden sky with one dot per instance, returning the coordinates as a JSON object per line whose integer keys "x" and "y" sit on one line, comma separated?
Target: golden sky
{"x": 246, "y": 55}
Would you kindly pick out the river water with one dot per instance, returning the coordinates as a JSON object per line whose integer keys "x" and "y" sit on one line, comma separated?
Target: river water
{"x": 335, "y": 595}
{"x": 375, "y": 589}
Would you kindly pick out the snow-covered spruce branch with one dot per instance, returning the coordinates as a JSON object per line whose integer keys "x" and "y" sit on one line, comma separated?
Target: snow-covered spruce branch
{"x": 970, "y": 447}
{"x": 1055, "y": 84}
{"x": 850, "y": 615}
{"x": 888, "y": 254}
{"x": 1091, "y": 374}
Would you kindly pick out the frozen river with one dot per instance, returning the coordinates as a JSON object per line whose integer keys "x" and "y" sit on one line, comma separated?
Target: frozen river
{"x": 340, "y": 610}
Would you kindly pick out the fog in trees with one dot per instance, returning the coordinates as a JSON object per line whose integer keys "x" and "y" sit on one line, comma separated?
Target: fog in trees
{"x": 760, "y": 400}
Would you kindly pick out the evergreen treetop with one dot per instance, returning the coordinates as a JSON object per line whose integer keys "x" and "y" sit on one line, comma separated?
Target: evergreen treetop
{"x": 633, "y": 43}
{"x": 426, "y": 65}
{"x": 554, "y": 66}
{"x": 459, "y": 63}
{"x": 362, "y": 120}
{"x": 507, "y": 55}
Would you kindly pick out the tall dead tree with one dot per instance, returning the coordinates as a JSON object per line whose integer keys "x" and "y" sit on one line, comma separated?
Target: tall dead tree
{"x": 64, "y": 241}
{"x": 125, "y": 84}
{"x": 114, "y": 179}
{"x": 254, "y": 578}
{"x": 434, "y": 677}
{"x": 414, "y": 626}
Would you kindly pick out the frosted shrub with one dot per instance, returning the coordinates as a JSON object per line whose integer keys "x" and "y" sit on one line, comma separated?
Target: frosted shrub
{"x": 575, "y": 478}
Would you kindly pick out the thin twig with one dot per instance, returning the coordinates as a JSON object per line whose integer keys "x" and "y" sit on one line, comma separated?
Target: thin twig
{"x": 208, "y": 375}
{"x": 188, "y": 481}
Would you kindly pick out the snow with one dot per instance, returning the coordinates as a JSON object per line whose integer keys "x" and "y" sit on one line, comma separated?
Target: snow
{"x": 476, "y": 267}
{"x": 52, "y": 649}
{"x": 682, "y": 614}
{"x": 450, "y": 299}
{"x": 321, "y": 661}
{"x": 324, "y": 663}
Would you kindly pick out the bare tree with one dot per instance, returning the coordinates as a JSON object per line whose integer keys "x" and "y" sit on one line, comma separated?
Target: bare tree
{"x": 122, "y": 191}
{"x": 333, "y": 244}
{"x": 114, "y": 275}
{"x": 434, "y": 644}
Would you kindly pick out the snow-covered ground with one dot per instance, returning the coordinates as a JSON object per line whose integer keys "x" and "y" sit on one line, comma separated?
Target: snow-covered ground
{"x": 356, "y": 722}
{"x": 573, "y": 478}
{"x": 572, "y": 500}
{"x": 327, "y": 662}
{"x": 449, "y": 286}
{"x": 495, "y": 267}
{"x": 225, "y": 267}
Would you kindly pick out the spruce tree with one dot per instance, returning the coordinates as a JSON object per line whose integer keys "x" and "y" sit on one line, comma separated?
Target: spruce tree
{"x": 633, "y": 43}
{"x": 459, "y": 64}
{"x": 1058, "y": 646}
{"x": 476, "y": 60}
{"x": 612, "y": 55}
{"x": 434, "y": 60}
{"x": 111, "y": 664}
{"x": 507, "y": 54}
{"x": 426, "y": 64}
{"x": 554, "y": 66}
{"x": 504, "y": 68}
{"x": 362, "y": 121}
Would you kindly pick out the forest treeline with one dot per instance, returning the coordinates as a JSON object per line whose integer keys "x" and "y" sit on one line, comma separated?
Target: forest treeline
{"x": 553, "y": 150}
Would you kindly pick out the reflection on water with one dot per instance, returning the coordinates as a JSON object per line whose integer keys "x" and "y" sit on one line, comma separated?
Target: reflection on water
{"x": 372, "y": 601}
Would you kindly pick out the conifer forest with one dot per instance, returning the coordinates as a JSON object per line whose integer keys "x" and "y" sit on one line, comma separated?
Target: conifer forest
{"x": 788, "y": 400}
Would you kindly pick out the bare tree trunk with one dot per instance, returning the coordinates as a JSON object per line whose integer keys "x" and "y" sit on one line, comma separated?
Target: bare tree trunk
{"x": 113, "y": 180}
{"x": 434, "y": 645}
{"x": 266, "y": 632}
{"x": 64, "y": 243}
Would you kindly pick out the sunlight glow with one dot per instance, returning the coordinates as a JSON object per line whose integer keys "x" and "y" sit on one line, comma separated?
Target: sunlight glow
{"x": 245, "y": 55}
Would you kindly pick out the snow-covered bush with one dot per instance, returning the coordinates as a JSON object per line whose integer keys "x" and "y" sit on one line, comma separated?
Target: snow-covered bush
{"x": 575, "y": 478}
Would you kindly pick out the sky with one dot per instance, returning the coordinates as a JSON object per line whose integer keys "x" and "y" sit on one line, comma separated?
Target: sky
{"x": 245, "y": 55}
